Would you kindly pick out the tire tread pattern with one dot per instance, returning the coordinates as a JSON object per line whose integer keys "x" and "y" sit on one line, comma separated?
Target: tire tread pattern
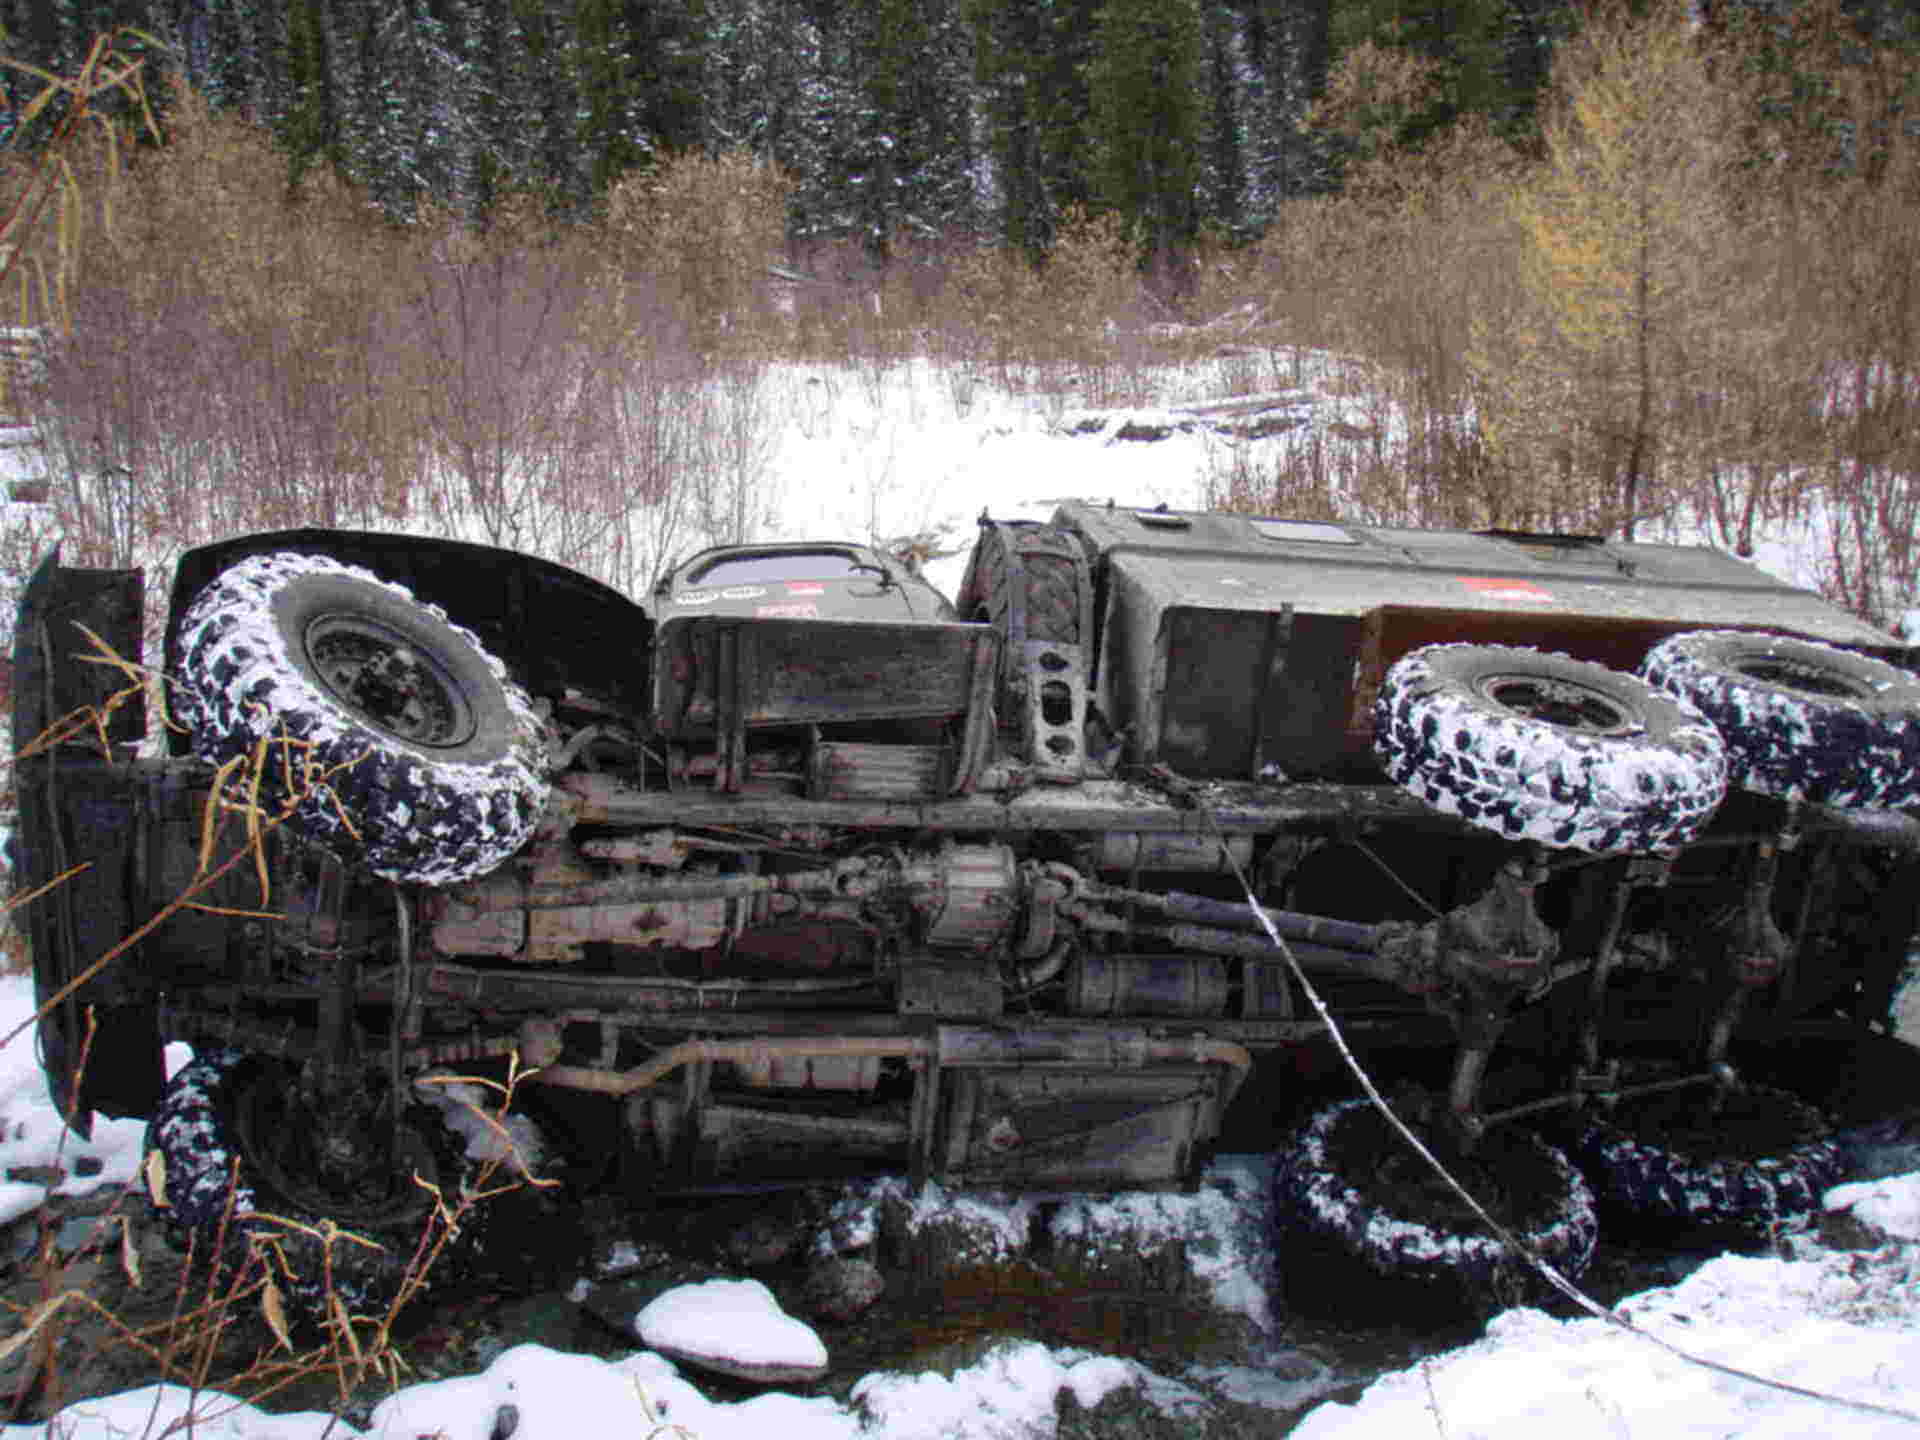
{"x": 1529, "y": 779}
{"x": 1794, "y": 743}
{"x": 1323, "y": 1210}
{"x": 411, "y": 816}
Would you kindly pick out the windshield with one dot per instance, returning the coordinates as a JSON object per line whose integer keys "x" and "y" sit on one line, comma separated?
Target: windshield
{"x": 781, "y": 565}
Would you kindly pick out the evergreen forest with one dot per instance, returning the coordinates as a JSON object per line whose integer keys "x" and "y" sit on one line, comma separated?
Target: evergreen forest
{"x": 897, "y": 119}
{"x": 530, "y": 267}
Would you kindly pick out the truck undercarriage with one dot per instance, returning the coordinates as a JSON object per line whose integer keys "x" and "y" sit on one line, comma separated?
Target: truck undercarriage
{"x": 794, "y": 871}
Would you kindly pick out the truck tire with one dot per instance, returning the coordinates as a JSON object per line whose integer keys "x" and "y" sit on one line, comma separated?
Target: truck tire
{"x": 1048, "y": 602}
{"x": 1368, "y": 1227}
{"x": 1802, "y": 721}
{"x": 1656, "y": 1165}
{"x": 1550, "y": 749}
{"x": 416, "y": 755}
{"x": 236, "y": 1164}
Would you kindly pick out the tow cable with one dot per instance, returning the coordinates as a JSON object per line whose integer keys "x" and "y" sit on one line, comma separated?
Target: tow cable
{"x": 1187, "y": 795}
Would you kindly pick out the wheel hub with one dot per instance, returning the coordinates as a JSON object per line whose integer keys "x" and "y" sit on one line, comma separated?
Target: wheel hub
{"x": 385, "y": 679}
{"x": 1807, "y": 679}
{"x": 1562, "y": 702}
{"x": 342, "y": 1170}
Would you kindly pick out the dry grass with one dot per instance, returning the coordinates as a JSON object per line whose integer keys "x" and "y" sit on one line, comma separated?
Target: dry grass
{"x": 247, "y": 354}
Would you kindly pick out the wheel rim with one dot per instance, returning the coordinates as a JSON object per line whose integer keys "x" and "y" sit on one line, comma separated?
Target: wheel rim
{"x": 1566, "y": 704}
{"x": 337, "y": 1170}
{"x": 387, "y": 680}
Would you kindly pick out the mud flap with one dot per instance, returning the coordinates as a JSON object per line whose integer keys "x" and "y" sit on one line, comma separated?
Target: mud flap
{"x": 76, "y": 804}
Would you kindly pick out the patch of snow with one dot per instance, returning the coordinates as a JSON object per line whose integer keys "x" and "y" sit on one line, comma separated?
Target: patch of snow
{"x": 1001, "y": 1223}
{"x": 1010, "y": 1395}
{"x": 176, "y": 1410}
{"x": 1891, "y": 1206}
{"x": 735, "y": 1319}
{"x": 469, "y": 1111}
{"x": 1223, "y": 1228}
{"x": 1813, "y": 1324}
{"x": 34, "y": 1135}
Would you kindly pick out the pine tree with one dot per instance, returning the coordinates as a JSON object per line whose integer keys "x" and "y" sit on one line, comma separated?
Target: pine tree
{"x": 307, "y": 126}
{"x": 1226, "y": 185}
{"x": 1033, "y": 59}
{"x": 1145, "y": 88}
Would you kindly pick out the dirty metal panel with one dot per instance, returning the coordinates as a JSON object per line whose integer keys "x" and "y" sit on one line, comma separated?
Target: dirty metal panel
{"x": 1252, "y": 563}
{"x": 1203, "y": 676}
{"x": 715, "y": 670}
{"x": 1077, "y": 1130}
{"x": 848, "y": 770}
{"x": 952, "y": 986}
{"x": 50, "y": 678}
{"x": 78, "y": 806}
{"x": 1716, "y": 590}
{"x": 764, "y": 1143}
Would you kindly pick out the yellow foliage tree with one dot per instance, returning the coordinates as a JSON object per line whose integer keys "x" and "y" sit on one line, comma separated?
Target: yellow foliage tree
{"x": 1629, "y": 247}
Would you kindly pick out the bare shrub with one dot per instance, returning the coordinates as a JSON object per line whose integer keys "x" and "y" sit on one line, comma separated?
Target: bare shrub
{"x": 513, "y": 380}
{"x": 704, "y": 227}
{"x": 223, "y": 369}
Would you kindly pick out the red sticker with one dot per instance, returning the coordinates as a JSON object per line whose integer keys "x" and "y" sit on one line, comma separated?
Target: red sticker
{"x": 805, "y": 587}
{"x": 1499, "y": 588}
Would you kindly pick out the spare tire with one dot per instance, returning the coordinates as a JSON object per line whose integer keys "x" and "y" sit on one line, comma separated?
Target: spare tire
{"x": 1547, "y": 748}
{"x": 1368, "y": 1227}
{"x": 1802, "y": 720}
{"x": 1667, "y": 1164}
{"x": 411, "y": 751}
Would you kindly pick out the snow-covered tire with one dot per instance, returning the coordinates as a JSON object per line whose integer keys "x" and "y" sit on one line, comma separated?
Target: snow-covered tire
{"x": 1547, "y": 748}
{"x": 1666, "y": 1165}
{"x": 1802, "y": 720}
{"x": 1366, "y": 1226}
{"x": 416, "y": 754}
{"x": 237, "y": 1167}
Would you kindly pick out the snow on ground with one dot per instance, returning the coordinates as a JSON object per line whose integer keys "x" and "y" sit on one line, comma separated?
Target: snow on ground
{"x": 1813, "y": 1324}
{"x": 34, "y": 1140}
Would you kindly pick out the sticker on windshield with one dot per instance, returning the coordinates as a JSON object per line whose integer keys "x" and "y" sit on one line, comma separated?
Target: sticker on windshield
{"x": 1501, "y": 588}
{"x": 805, "y": 587}
{"x": 743, "y": 592}
{"x": 794, "y": 611}
{"x": 696, "y": 597}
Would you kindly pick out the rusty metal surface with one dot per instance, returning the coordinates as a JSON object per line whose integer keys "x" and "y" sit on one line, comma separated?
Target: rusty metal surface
{"x": 717, "y": 671}
{"x": 1230, "y": 643}
{"x": 1089, "y": 807}
{"x": 1227, "y": 562}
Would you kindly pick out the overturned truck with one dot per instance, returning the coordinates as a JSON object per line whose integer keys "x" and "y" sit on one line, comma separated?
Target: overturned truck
{"x": 792, "y": 869}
